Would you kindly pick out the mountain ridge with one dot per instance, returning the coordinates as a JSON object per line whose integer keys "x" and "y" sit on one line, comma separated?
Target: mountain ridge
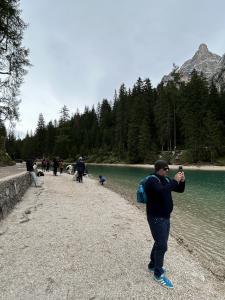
{"x": 210, "y": 64}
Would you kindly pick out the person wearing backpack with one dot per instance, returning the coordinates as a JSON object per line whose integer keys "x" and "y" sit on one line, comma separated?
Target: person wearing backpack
{"x": 80, "y": 168}
{"x": 158, "y": 188}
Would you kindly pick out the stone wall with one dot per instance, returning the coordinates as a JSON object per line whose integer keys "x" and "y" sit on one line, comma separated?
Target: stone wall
{"x": 12, "y": 189}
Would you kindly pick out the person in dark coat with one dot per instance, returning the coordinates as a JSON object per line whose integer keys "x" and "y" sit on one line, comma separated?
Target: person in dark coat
{"x": 47, "y": 165}
{"x": 80, "y": 168}
{"x": 55, "y": 166}
{"x": 159, "y": 207}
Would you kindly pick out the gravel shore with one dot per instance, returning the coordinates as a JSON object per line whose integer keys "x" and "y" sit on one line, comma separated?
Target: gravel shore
{"x": 172, "y": 167}
{"x": 67, "y": 240}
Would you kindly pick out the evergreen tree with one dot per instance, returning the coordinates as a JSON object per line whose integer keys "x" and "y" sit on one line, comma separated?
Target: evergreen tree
{"x": 163, "y": 118}
{"x": 64, "y": 115}
{"x": 50, "y": 139}
{"x": 148, "y": 128}
{"x": 121, "y": 115}
{"x": 194, "y": 105}
{"x": 213, "y": 136}
{"x": 28, "y": 147}
{"x": 89, "y": 123}
{"x": 13, "y": 58}
{"x": 136, "y": 117}
{"x": 105, "y": 125}
{"x": 11, "y": 145}
{"x": 2, "y": 136}
{"x": 40, "y": 137}
{"x": 62, "y": 139}
{"x": 140, "y": 122}
{"x": 75, "y": 135}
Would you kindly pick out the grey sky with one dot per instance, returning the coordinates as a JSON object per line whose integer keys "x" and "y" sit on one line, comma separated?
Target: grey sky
{"x": 83, "y": 50}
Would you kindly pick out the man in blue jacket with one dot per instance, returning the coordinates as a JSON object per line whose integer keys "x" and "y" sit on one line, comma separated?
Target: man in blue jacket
{"x": 159, "y": 206}
{"x": 80, "y": 168}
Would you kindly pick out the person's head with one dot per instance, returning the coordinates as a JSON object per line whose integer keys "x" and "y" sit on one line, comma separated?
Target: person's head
{"x": 161, "y": 167}
{"x": 80, "y": 158}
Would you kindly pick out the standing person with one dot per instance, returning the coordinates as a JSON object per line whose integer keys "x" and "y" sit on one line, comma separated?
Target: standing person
{"x": 47, "y": 165}
{"x": 43, "y": 165}
{"x": 55, "y": 166}
{"x": 80, "y": 168}
{"x": 30, "y": 169}
{"x": 159, "y": 206}
{"x": 35, "y": 167}
{"x": 61, "y": 166}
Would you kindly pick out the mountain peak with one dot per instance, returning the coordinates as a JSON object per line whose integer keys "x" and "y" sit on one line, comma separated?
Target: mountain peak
{"x": 203, "y": 49}
{"x": 203, "y": 61}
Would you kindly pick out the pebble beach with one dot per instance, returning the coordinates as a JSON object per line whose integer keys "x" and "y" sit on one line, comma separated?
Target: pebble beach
{"x": 67, "y": 240}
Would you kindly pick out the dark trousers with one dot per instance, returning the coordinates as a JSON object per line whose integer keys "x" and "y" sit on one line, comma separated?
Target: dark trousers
{"x": 80, "y": 176}
{"x": 160, "y": 228}
{"x": 55, "y": 171}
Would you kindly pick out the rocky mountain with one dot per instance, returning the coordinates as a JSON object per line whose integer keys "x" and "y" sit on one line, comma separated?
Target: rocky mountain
{"x": 210, "y": 64}
{"x": 219, "y": 76}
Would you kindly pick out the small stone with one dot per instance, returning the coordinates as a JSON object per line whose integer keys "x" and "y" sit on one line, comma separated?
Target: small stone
{"x": 24, "y": 220}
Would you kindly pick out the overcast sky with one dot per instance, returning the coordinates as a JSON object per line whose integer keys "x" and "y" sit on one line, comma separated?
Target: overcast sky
{"x": 83, "y": 50}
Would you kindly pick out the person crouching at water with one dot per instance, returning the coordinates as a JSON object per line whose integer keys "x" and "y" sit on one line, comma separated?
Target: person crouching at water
{"x": 102, "y": 179}
{"x": 159, "y": 206}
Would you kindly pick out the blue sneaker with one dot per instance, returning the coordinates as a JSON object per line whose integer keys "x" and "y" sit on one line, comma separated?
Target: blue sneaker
{"x": 164, "y": 281}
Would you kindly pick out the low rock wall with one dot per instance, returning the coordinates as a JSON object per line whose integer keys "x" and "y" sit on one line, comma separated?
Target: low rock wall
{"x": 12, "y": 189}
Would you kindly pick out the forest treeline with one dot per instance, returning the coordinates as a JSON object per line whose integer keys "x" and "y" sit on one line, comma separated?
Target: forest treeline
{"x": 136, "y": 126}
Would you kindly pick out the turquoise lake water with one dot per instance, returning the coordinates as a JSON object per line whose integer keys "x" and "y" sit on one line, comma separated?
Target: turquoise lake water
{"x": 198, "y": 219}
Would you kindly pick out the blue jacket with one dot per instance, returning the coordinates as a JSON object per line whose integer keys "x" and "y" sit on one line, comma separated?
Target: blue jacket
{"x": 159, "y": 198}
{"x": 80, "y": 166}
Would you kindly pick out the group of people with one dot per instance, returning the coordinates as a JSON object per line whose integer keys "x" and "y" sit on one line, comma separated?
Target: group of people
{"x": 45, "y": 165}
{"x": 32, "y": 167}
{"x": 78, "y": 168}
{"x": 159, "y": 207}
{"x": 57, "y": 163}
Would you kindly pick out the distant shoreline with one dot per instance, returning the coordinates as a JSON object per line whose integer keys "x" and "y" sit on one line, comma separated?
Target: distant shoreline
{"x": 172, "y": 167}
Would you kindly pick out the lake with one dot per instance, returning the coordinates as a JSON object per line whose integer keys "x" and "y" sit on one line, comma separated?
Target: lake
{"x": 198, "y": 218}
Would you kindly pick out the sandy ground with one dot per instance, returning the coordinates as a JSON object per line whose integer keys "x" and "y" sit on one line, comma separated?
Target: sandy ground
{"x": 68, "y": 240}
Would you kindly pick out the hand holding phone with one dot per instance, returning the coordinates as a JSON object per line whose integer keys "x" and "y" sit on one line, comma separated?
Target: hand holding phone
{"x": 180, "y": 170}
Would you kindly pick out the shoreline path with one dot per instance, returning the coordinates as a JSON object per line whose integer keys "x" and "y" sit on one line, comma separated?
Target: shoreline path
{"x": 12, "y": 170}
{"x": 67, "y": 240}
